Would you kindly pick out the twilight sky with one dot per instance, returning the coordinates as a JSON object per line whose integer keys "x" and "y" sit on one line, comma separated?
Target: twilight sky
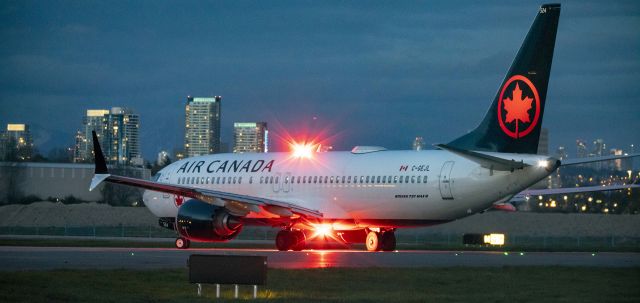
{"x": 371, "y": 72}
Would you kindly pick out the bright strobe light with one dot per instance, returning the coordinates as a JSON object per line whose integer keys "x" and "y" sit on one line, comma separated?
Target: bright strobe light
{"x": 302, "y": 150}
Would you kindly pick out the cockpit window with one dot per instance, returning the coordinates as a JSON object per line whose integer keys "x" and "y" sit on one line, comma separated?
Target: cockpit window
{"x": 157, "y": 177}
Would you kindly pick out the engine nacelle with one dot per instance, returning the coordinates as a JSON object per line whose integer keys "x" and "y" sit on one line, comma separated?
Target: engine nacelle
{"x": 201, "y": 221}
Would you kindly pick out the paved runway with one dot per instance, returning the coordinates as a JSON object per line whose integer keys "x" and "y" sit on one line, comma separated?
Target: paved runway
{"x": 14, "y": 258}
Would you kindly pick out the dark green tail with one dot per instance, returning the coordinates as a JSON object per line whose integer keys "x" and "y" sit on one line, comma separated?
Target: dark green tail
{"x": 513, "y": 122}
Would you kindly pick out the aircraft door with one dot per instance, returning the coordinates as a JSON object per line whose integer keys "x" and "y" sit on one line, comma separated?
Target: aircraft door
{"x": 287, "y": 180}
{"x": 277, "y": 185}
{"x": 445, "y": 180}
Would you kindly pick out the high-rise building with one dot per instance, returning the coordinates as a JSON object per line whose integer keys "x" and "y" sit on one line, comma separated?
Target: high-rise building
{"x": 120, "y": 140}
{"x": 250, "y": 137}
{"x": 93, "y": 121}
{"x": 163, "y": 158}
{"x": 581, "y": 149}
{"x": 561, "y": 153}
{"x": 418, "y": 143}
{"x": 16, "y": 143}
{"x": 543, "y": 143}
{"x": 202, "y": 126}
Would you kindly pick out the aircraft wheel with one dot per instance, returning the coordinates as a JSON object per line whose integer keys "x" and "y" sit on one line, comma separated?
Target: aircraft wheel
{"x": 373, "y": 241}
{"x": 298, "y": 238}
{"x": 388, "y": 241}
{"x": 182, "y": 243}
{"x": 284, "y": 240}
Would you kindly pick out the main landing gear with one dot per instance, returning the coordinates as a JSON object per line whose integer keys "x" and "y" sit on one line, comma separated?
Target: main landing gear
{"x": 384, "y": 240}
{"x": 182, "y": 243}
{"x": 290, "y": 240}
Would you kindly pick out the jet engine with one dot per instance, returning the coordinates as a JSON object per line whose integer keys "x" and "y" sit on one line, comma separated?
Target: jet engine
{"x": 204, "y": 222}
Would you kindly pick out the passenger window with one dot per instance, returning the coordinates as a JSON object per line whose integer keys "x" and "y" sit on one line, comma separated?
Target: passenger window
{"x": 367, "y": 179}
{"x": 349, "y": 179}
{"x": 361, "y": 179}
{"x": 378, "y": 179}
{"x": 406, "y": 179}
{"x": 223, "y": 179}
{"x": 418, "y": 179}
{"x": 384, "y": 179}
{"x": 277, "y": 179}
{"x": 424, "y": 179}
{"x": 234, "y": 180}
{"x": 326, "y": 179}
{"x": 315, "y": 179}
{"x": 331, "y": 179}
{"x": 239, "y": 180}
{"x": 271, "y": 180}
{"x": 251, "y": 180}
{"x": 413, "y": 179}
{"x": 304, "y": 179}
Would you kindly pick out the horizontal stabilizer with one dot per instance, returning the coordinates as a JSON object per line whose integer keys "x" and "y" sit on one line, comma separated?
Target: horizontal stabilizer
{"x": 484, "y": 160}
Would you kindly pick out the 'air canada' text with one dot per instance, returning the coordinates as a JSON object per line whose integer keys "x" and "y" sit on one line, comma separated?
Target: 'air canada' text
{"x": 217, "y": 166}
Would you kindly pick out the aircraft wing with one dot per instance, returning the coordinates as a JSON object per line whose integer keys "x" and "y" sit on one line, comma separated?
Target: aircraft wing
{"x": 238, "y": 202}
{"x": 570, "y": 190}
{"x": 596, "y": 159}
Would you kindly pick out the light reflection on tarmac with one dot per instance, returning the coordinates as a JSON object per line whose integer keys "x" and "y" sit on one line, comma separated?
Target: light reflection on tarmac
{"x": 14, "y": 258}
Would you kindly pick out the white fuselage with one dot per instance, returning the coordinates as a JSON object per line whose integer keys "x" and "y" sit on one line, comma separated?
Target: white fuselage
{"x": 403, "y": 186}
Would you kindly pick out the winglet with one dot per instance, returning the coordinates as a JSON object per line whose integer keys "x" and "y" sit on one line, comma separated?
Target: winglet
{"x": 101, "y": 164}
{"x": 97, "y": 179}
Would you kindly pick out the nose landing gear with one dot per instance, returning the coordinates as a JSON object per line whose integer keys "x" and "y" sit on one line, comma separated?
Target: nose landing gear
{"x": 182, "y": 243}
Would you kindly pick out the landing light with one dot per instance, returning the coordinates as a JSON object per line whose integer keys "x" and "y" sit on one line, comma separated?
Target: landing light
{"x": 322, "y": 230}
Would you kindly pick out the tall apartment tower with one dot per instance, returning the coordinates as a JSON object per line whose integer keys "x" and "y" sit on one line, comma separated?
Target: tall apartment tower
{"x": 543, "y": 142}
{"x": 121, "y": 144}
{"x": 418, "y": 143}
{"x": 16, "y": 143}
{"x": 250, "y": 137}
{"x": 202, "y": 126}
{"x": 93, "y": 121}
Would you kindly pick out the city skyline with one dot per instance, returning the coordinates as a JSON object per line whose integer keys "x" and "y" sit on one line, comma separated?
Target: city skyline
{"x": 370, "y": 74}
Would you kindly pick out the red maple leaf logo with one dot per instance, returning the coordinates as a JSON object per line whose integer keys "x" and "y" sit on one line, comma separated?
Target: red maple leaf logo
{"x": 517, "y": 107}
{"x": 178, "y": 200}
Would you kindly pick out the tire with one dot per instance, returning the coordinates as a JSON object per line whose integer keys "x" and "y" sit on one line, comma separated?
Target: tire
{"x": 388, "y": 241}
{"x": 182, "y": 243}
{"x": 373, "y": 241}
{"x": 283, "y": 240}
{"x": 299, "y": 239}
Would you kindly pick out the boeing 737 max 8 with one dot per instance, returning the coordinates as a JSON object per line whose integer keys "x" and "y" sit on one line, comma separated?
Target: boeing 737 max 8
{"x": 366, "y": 194}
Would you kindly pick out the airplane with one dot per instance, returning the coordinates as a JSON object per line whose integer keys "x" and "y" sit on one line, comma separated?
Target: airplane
{"x": 366, "y": 194}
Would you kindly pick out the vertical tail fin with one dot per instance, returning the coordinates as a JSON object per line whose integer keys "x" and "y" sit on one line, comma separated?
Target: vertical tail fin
{"x": 512, "y": 124}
